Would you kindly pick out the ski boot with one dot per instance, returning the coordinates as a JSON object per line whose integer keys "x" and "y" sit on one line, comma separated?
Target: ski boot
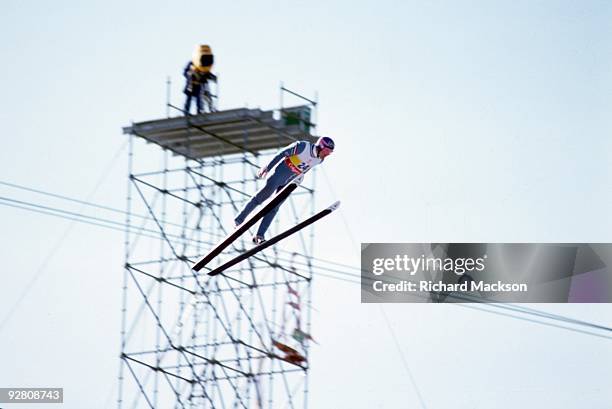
{"x": 236, "y": 224}
{"x": 257, "y": 240}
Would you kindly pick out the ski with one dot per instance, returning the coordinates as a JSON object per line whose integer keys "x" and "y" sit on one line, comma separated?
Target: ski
{"x": 247, "y": 224}
{"x": 274, "y": 240}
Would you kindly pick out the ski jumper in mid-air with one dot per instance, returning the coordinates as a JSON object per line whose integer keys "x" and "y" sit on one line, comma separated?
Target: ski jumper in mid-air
{"x": 289, "y": 164}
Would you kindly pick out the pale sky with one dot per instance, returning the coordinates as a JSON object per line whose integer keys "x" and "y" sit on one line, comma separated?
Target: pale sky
{"x": 454, "y": 121}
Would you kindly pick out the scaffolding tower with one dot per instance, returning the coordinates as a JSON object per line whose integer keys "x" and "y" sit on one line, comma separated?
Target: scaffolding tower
{"x": 193, "y": 341}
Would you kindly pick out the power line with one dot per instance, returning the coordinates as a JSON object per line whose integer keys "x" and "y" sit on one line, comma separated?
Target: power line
{"x": 389, "y": 327}
{"x": 403, "y": 357}
{"x": 122, "y": 212}
{"x": 323, "y": 271}
{"x": 58, "y": 244}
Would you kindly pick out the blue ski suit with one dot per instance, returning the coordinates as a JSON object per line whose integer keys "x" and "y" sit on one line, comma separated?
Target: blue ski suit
{"x": 291, "y": 163}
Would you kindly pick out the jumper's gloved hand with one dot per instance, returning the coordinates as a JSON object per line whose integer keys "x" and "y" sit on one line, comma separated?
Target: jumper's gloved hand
{"x": 262, "y": 173}
{"x": 298, "y": 180}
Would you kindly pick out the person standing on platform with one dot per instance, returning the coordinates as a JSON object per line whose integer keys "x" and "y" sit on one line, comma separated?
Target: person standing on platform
{"x": 197, "y": 73}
